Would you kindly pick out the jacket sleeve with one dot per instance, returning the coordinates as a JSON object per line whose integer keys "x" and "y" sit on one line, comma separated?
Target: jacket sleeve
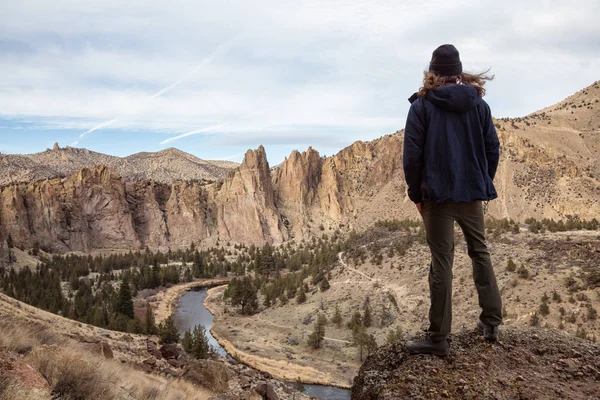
{"x": 492, "y": 144}
{"x": 414, "y": 143}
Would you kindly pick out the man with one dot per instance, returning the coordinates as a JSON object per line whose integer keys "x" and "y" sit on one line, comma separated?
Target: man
{"x": 451, "y": 153}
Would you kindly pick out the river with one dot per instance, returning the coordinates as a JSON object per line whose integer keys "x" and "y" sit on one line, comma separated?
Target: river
{"x": 191, "y": 312}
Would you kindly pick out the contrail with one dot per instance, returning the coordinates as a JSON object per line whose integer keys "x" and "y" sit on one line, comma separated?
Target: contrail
{"x": 99, "y": 126}
{"x": 220, "y": 50}
{"x": 203, "y": 130}
{"x": 214, "y": 127}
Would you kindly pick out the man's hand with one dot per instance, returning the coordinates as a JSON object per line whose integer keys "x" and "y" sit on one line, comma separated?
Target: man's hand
{"x": 420, "y": 207}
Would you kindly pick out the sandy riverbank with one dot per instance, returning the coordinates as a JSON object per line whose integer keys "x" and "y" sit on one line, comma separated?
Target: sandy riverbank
{"x": 279, "y": 368}
{"x": 165, "y": 302}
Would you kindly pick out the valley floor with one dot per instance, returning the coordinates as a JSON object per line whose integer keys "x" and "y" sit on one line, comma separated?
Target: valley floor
{"x": 275, "y": 339}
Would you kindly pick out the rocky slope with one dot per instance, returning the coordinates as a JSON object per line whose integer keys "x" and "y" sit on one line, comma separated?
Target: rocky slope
{"x": 525, "y": 364}
{"x": 163, "y": 166}
{"x": 548, "y": 169}
{"x": 45, "y": 356}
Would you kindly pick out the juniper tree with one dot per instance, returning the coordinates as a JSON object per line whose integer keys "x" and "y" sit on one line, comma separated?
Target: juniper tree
{"x": 337, "y": 316}
{"x": 200, "y": 345}
{"x": 367, "y": 320}
{"x": 364, "y": 341}
{"x": 188, "y": 341}
{"x": 395, "y": 336}
{"x": 150, "y": 322}
{"x": 355, "y": 323}
{"x": 167, "y": 331}
{"x": 301, "y": 297}
{"x": 242, "y": 292}
{"x": 315, "y": 339}
{"x": 125, "y": 302}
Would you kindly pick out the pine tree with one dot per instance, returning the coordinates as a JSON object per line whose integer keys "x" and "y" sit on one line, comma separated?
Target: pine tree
{"x": 301, "y": 297}
{"x": 125, "y": 302}
{"x": 200, "y": 346}
{"x": 337, "y": 317}
{"x": 168, "y": 332}
{"x": 324, "y": 286}
{"x": 315, "y": 339}
{"x": 355, "y": 323}
{"x": 9, "y": 241}
{"x": 364, "y": 341}
{"x": 367, "y": 319}
{"x": 395, "y": 336}
{"x": 150, "y": 322}
{"x": 188, "y": 341}
{"x": 266, "y": 262}
{"x": 242, "y": 292}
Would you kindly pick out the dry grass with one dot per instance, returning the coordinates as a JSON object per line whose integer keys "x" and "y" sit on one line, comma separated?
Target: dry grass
{"x": 73, "y": 375}
{"x": 49, "y": 355}
{"x": 22, "y": 340}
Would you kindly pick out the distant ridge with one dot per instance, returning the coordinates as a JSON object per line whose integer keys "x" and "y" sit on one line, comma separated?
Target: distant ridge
{"x": 165, "y": 166}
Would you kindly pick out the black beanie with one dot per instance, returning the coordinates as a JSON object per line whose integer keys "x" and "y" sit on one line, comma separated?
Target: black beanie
{"x": 445, "y": 61}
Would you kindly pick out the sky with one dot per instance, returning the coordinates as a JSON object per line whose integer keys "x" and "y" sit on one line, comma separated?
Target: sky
{"x": 215, "y": 78}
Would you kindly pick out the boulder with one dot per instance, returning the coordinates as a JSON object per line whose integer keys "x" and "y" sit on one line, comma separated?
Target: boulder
{"x": 209, "y": 374}
{"x": 150, "y": 361}
{"x": 175, "y": 363}
{"x": 101, "y": 348}
{"x": 266, "y": 390}
{"x": 15, "y": 371}
{"x": 170, "y": 351}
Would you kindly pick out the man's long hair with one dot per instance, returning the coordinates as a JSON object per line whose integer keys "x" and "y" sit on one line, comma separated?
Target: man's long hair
{"x": 432, "y": 81}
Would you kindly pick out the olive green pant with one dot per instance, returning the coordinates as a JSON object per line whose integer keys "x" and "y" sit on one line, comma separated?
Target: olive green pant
{"x": 439, "y": 224}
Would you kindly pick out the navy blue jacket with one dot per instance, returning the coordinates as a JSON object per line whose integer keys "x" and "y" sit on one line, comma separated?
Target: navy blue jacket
{"x": 451, "y": 148}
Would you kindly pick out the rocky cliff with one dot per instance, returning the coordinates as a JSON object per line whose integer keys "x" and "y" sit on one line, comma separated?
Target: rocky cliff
{"x": 96, "y": 209}
{"x": 524, "y": 364}
{"x": 548, "y": 168}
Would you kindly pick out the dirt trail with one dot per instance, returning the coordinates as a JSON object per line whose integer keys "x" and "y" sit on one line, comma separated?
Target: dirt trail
{"x": 260, "y": 318}
{"x": 399, "y": 292}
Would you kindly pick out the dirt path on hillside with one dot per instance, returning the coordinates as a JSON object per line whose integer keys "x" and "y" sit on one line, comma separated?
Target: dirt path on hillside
{"x": 399, "y": 292}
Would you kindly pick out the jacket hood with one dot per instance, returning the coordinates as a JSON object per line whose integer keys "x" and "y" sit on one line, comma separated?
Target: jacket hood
{"x": 455, "y": 98}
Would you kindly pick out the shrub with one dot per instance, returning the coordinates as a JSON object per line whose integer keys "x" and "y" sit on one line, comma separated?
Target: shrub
{"x": 71, "y": 376}
{"x": 535, "y": 319}
{"x": 581, "y": 333}
{"x": 523, "y": 272}
{"x": 556, "y": 297}
{"x": 510, "y": 265}
{"x": 544, "y": 309}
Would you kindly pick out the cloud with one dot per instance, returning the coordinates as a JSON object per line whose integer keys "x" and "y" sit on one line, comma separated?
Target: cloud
{"x": 320, "y": 71}
{"x": 220, "y": 50}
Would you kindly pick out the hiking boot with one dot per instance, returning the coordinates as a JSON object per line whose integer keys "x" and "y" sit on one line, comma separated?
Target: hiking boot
{"x": 489, "y": 332}
{"x": 428, "y": 346}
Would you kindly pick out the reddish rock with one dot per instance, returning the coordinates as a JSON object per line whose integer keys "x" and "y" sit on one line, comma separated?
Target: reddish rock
{"x": 15, "y": 369}
{"x": 175, "y": 363}
{"x": 170, "y": 351}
